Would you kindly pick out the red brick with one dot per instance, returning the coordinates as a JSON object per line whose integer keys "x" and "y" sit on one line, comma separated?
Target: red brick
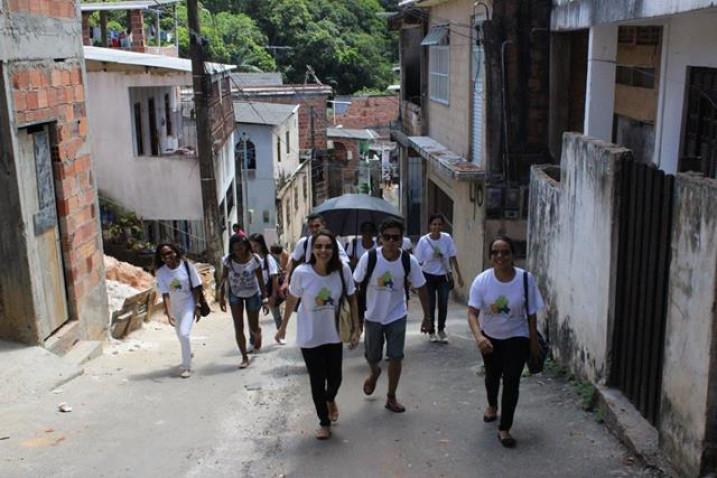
{"x": 56, "y": 77}
{"x": 83, "y": 164}
{"x": 32, "y": 100}
{"x": 66, "y": 78}
{"x": 20, "y": 101}
{"x": 67, "y": 188}
{"x": 61, "y": 95}
{"x": 42, "y": 98}
{"x": 82, "y": 126}
{"x": 21, "y": 80}
{"x": 79, "y": 93}
{"x": 76, "y": 76}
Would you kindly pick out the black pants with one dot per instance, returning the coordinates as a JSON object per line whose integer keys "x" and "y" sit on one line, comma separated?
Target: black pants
{"x": 324, "y": 366}
{"x": 437, "y": 288}
{"x": 361, "y": 299}
{"x": 507, "y": 361}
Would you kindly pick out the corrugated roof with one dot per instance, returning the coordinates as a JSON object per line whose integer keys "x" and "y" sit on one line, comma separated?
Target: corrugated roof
{"x": 347, "y": 133}
{"x": 130, "y": 5}
{"x": 262, "y": 113}
{"x": 132, "y": 58}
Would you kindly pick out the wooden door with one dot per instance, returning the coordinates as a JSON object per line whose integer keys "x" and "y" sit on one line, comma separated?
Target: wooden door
{"x": 46, "y": 258}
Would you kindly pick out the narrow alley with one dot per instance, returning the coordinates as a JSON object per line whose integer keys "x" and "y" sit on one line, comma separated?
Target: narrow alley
{"x": 132, "y": 417}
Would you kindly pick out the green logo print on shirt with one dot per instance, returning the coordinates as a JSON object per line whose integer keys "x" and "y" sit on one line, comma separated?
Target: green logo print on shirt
{"x": 175, "y": 284}
{"x": 324, "y": 298}
{"x": 500, "y": 306}
{"x": 437, "y": 252}
{"x": 386, "y": 280}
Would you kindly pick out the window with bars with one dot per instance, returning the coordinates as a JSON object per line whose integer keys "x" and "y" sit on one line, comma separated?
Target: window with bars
{"x": 699, "y": 141}
{"x": 439, "y": 66}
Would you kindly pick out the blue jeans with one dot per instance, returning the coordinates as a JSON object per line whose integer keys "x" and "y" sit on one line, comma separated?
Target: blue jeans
{"x": 437, "y": 288}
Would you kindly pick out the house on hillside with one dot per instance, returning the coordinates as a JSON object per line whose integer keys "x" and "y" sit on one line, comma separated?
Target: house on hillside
{"x": 144, "y": 139}
{"x": 141, "y": 30}
{"x": 375, "y": 112}
{"x": 266, "y": 143}
{"x": 352, "y": 165}
{"x": 312, "y": 123}
{"x": 473, "y": 117}
{"x": 52, "y": 288}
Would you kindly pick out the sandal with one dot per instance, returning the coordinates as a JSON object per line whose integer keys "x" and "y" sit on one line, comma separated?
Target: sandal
{"x": 427, "y": 327}
{"x": 244, "y": 363}
{"x": 369, "y": 385}
{"x": 394, "y": 406}
{"x": 333, "y": 411}
{"x": 323, "y": 433}
{"x": 490, "y": 418}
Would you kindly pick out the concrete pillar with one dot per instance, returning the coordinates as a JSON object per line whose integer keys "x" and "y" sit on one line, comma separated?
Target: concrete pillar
{"x": 600, "y": 94}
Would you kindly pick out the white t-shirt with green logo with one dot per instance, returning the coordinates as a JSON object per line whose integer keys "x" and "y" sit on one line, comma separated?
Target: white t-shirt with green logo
{"x": 435, "y": 254}
{"x": 316, "y": 317}
{"x": 502, "y": 304}
{"x": 385, "y": 294}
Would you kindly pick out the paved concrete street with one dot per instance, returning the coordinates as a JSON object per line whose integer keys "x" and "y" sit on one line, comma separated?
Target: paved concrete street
{"x": 132, "y": 417}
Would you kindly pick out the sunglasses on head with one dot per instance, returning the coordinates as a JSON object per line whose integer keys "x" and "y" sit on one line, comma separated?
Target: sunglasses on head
{"x": 391, "y": 237}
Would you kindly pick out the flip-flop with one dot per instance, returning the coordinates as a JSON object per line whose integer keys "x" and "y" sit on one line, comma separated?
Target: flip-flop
{"x": 244, "y": 364}
{"x": 333, "y": 413}
{"x": 369, "y": 385}
{"x": 322, "y": 434}
{"x": 490, "y": 418}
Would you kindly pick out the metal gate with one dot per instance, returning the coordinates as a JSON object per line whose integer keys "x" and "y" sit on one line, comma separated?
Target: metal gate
{"x": 641, "y": 294}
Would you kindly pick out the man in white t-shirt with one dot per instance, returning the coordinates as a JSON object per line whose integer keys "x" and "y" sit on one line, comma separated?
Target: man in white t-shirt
{"x": 302, "y": 250}
{"x": 385, "y": 273}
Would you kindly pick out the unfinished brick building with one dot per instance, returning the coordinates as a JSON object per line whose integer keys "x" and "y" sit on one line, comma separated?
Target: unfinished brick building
{"x": 52, "y": 290}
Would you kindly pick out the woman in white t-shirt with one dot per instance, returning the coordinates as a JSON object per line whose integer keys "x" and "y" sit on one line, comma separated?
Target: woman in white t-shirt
{"x": 320, "y": 285}
{"x": 270, "y": 275}
{"x": 504, "y": 331}
{"x": 436, "y": 252}
{"x": 242, "y": 278}
{"x": 180, "y": 285}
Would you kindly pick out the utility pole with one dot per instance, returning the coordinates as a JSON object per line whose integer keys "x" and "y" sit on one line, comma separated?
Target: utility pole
{"x": 205, "y": 147}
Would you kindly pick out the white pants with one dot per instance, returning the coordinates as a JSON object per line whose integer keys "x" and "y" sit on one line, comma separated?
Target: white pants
{"x": 183, "y": 327}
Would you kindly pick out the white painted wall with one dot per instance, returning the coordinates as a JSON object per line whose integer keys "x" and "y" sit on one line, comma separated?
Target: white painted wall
{"x": 600, "y": 92}
{"x": 261, "y": 190}
{"x": 155, "y": 188}
{"x": 688, "y": 40}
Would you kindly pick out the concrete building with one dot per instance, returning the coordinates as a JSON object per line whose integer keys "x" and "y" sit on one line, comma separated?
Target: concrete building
{"x": 312, "y": 123}
{"x": 376, "y": 112}
{"x": 352, "y": 166}
{"x": 642, "y": 76}
{"x": 266, "y": 145}
{"x": 144, "y": 139}
{"x": 650, "y": 72}
{"x": 52, "y": 289}
{"x": 293, "y": 204}
{"x": 142, "y": 30}
{"x": 473, "y": 117}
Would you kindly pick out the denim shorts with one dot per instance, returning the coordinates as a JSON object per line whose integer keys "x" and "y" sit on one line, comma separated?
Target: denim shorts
{"x": 252, "y": 304}
{"x": 394, "y": 334}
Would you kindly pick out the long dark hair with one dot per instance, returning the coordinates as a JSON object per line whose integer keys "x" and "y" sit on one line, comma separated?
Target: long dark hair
{"x": 158, "y": 262}
{"x": 239, "y": 240}
{"x": 258, "y": 238}
{"x": 334, "y": 263}
{"x": 507, "y": 240}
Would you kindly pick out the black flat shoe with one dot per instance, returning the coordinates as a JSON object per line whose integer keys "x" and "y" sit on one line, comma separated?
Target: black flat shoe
{"x": 507, "y": 442}
{"x": 489, "y": 419}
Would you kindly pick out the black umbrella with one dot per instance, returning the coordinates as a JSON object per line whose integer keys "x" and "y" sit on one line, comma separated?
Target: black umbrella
{"x": 345, "y": 214}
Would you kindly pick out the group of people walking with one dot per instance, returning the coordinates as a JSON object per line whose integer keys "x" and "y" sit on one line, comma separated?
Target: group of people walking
{"x": 372, "y": 275}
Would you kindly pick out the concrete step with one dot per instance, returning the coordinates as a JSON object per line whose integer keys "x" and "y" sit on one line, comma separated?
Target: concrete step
{"x": 83, "y": 352}
{"x": 64, "y": 338}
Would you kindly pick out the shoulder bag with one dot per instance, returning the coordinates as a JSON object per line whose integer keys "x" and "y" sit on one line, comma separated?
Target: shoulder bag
{"x": 344, "y": 320}
{"x": 204, "y": 309}
{"x": 535, "y": 364}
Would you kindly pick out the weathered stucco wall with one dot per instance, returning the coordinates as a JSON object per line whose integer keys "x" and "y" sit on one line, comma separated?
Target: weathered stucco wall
{"x": 587, "y": 252}
{"x": 544, "y": 239}
{"x": 688, "y": 425}
{"x": 576, "y": 14}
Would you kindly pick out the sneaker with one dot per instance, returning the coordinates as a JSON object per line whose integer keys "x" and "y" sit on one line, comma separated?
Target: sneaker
{"x": 186, "y": 373}
{"x": 433, "y": 338}
{"x": 442, "y": 337}
{"x": 281, "y": 342}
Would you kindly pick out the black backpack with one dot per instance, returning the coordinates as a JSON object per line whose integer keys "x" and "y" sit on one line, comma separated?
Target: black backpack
{"x": 373, "y": 258}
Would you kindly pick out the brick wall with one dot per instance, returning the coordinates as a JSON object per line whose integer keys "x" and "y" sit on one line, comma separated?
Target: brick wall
{"x": 53, "y": 92}
{"x": 47, "y": 8}
{"x": 371, "y": 112}
{"x": 136, "y": 28}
